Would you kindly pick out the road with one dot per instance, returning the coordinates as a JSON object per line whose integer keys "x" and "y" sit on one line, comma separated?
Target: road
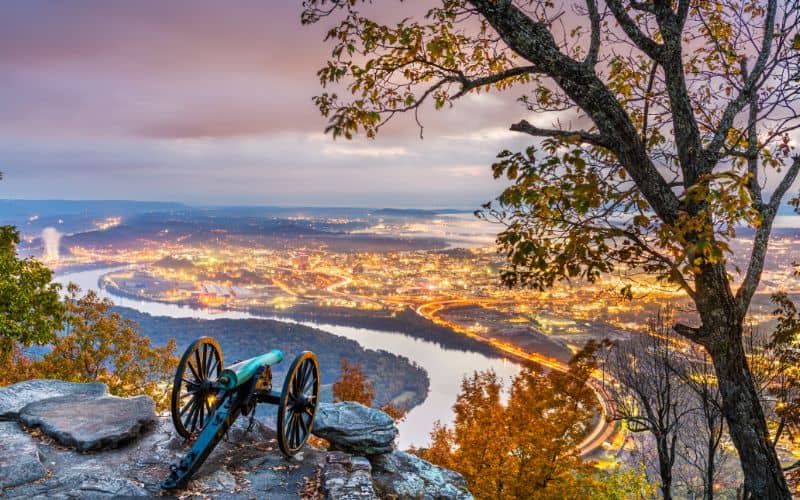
{"x": 606, "y": 425}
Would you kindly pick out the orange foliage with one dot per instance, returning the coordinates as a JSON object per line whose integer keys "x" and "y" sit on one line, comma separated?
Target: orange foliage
{"x": 527, "y": 448}
{"x": 353, "y": 385}
{"x": 394, "y": 411}
{"x": 99, "y": 345}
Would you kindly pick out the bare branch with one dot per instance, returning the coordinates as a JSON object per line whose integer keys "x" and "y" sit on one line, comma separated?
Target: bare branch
{"x": 752, "y": 150}
{"x": 468, "y": 85}
{"x": 785, "y": 184}
{"x": 761, "y": 240}
{"x": 646, "y": 111}
{"x": 689, "y": 332}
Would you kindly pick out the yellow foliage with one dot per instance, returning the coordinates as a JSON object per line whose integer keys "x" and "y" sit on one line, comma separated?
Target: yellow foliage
{"x": 528, "y": 447}
{"x": 98, "y": 345}
{"x": 353, "y": 385}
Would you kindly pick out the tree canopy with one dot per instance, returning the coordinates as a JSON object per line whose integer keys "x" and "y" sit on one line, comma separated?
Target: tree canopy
{"x": 353, "y": 385}
{"x": 527, "y": 447}
{"x": 31, "y": 310}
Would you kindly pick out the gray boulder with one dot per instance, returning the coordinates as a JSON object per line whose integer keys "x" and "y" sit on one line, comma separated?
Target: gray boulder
{"x": 19, "y": 457}
{"x": 14, "y": 397}
{"x": 345, "y": 477}
{"x": 91, "y": 422}
{"x": 355, "y": 428}
{"x": 81, "y": 485}
{"x": 402, "y": 475}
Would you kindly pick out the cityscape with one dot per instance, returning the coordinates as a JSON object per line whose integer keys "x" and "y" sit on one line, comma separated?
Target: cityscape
{"x": 447, "y": 275}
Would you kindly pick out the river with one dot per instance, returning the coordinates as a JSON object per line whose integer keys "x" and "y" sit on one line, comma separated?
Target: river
{"x": 446, "y": 367}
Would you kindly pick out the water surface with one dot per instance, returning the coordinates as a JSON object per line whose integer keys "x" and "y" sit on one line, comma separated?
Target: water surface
{"x": 446, "y": 367}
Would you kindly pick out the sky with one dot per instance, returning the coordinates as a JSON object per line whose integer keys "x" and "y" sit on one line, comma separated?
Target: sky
{"x": 209, "y": 102}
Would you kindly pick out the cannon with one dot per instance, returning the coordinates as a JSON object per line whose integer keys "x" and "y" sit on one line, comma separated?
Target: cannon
{"x": 208, "y": 397}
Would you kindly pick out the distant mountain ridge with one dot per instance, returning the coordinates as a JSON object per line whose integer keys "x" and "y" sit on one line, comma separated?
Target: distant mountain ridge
{"x": 15, "y": 207}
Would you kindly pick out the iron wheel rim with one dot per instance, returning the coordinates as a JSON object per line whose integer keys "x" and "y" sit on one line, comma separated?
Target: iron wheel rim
{"x": 298, "y": 404}
{"x": 193, "y": 391}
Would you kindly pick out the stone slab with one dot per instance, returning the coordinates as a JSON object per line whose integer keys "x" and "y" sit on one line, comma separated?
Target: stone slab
{"x": 76, "y": 486}
{"x": 345, "y": 477}
{"x": 403, "y": 475}
{"x": 355, "y": 428}
{"x": 91, "y": 422}
{"x": 19, "y": 456}
{"x": 15, "y": 397}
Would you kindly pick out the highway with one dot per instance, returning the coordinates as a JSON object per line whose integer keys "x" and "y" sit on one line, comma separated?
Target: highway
{"x": 606, "y": 424}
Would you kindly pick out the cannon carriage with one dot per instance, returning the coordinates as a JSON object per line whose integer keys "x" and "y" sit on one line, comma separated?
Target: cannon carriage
{"x": 208, "y": 397}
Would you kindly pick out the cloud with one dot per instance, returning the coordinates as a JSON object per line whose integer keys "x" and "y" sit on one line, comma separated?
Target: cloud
{"x": 467, "y": 170}
{"x": 374, "y": 152}
{"x": 206, "y": 101}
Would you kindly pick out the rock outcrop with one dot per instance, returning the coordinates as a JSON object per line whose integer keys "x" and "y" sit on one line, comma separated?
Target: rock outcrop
{"x": 91, "y": 422}
{"x": 403, "y": 475}
{"x": 15, "y": 397}
{"x": 345, "y": 477}
{"x": 355, "y": 428}
{"x": 19, "y": 457}
{"x": 361, "y": 431}
{"x": 130, "y": 451}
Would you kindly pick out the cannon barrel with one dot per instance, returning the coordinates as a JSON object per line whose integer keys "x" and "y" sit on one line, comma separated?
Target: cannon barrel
{"x": 239, "y": 373}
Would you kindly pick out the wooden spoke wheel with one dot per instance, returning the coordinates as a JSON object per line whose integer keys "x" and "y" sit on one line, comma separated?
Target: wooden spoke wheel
{"x": 193, "y": 392}
{"x": 298, "y": 403}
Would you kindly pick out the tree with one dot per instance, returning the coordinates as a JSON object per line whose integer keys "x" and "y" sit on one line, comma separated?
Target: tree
{"x": 528, "y": 447}
{"x": 776, "y": 361}
{"x": 784, "y": 347}
{"x": 703, "y": 430}
{"x": 353, "y": 385}
{"x": 101, "y": 346}
{"x": 686, "y": 104}
{"x": 30, "y": 307}
{"x": 669, "y": 389}
{"x": 650, "y": 396}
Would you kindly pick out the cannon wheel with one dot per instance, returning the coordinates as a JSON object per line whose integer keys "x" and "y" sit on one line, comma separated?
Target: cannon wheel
{"x": 298, "y": 403}
{"x": 193, "y": 394}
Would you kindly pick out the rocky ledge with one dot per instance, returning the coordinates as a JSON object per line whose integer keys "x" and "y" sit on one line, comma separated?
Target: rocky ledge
{"x": 65, "y": 440}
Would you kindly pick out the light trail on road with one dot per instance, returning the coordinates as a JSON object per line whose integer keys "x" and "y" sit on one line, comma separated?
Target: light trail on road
{"x": 606, "y": 424}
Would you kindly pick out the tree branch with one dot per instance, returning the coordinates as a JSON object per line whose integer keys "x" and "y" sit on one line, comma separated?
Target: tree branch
{"x": 583, "y": 136}
{"x": 533, "y": 41}
{"x": 644, "y": 42}
{"x": 467, "y": 84}
{"x": 785, "y": 184}
{"x": 684, "y": 123}
{"x": 689, "y": 332}
{"x": 646, "y": 111}
{"x": 712, "y": 152}
{"x": 752, "y": 151}
{"x": 594, "y": 44}
{"x": 761, "y": 241}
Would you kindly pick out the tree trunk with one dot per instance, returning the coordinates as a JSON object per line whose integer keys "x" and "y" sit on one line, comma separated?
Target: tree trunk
{"x": 665, "y": 466}
{"x": 714, "y": 426}
{"x": 743, "y": 413}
